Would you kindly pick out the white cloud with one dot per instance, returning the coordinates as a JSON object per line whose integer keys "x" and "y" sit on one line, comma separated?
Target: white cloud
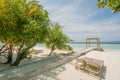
{"x": 75, "y": 17}
{"x": 70, "y": 12}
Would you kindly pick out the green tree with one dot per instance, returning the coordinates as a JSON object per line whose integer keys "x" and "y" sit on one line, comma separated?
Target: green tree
{"x": 23, "y": 24}
{"x": 114, "y": 5}
{"x": 6, "y": 26}
{"x": 34, "y": 32}
{"x": 56, "y": 39}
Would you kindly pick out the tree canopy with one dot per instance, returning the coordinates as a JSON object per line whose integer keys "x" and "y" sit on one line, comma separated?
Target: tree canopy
{"x": 114, "y": 5}
{"x": 23, "y": 24}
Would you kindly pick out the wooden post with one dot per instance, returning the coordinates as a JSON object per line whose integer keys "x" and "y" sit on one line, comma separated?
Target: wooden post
{"x": 98, "y": 43}
{"x": 86, "y": 43}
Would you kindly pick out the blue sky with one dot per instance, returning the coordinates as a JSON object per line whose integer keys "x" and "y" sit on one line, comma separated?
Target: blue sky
{"x": 82, "y": 19}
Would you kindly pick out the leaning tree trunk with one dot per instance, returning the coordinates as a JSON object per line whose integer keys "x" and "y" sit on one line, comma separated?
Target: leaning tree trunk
{"x": 10, "y": 53}
{"x": 22, "y": 55}
{"x": 18, "y": 60}
{"x": 51, "y": 52}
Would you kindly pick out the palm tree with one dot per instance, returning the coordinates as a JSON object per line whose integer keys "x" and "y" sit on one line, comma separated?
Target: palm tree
{"x": 56, "y": 39}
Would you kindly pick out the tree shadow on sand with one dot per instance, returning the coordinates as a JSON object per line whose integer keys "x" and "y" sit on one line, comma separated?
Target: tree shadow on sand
{"x": 104, "y": 69}
{"x": 50, "y": 75}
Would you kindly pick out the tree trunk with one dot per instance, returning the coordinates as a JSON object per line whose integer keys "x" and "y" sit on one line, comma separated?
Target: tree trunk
{"x": 18, "y": 60}
{"x": 51, "y": 53}
{"x": 9, "y": 60}
{"x": 20, "y": 57}
{"x": 1, "y": 49}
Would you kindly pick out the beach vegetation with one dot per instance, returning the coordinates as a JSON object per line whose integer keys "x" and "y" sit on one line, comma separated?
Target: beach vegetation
{"x": 56, "y": 39}
{"x": 23, "y": 24}
{"x": 114, "y": 5}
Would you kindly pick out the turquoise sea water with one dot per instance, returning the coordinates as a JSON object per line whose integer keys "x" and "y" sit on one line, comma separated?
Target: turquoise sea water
{"x": 104, "y": 46}
{"x": 82, "y": 46}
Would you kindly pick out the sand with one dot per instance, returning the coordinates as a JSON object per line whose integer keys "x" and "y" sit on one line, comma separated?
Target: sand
{"x": 111, "y": 69}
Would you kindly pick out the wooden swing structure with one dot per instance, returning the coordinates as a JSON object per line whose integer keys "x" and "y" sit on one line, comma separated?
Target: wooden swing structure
{"x": 97, "y": 42}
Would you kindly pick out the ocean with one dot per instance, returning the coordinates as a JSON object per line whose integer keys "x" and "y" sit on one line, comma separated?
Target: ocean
{"x": 82, "y": 46}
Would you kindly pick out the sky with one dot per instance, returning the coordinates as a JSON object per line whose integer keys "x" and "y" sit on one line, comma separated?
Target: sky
{"x": 82, "y": 19}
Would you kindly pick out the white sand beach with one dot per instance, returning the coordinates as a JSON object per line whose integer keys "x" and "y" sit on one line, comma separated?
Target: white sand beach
{"x": 111, "y": 69}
